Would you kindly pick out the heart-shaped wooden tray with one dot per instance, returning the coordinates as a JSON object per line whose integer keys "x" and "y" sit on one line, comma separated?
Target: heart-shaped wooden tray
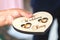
{"x": 38, "y": 24}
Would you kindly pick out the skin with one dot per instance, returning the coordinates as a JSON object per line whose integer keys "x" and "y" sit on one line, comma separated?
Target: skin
{"x": 8, "y": 15}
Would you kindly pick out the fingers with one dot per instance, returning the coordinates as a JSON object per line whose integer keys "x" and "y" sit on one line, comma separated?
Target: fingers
{"x": 15, "y": 13}
{"x": 25, "y": 13}
{"x": 5, "y": 20}
{"x": 9, "y": 20}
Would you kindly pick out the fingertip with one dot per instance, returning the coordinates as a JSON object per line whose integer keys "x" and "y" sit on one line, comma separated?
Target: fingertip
{"x": 25, "y": 13}
{"x": 28, "y": 15}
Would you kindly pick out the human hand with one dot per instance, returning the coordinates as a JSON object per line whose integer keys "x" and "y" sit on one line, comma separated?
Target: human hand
{"x": 7, "y": 16}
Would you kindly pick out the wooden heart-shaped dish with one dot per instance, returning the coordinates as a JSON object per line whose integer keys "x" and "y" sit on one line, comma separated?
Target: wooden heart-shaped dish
{"x": 39, "y": 23}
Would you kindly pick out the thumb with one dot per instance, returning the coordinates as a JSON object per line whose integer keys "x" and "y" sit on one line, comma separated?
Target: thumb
{"x": 25, "y": 13}
{"x": 19, "y": 13}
